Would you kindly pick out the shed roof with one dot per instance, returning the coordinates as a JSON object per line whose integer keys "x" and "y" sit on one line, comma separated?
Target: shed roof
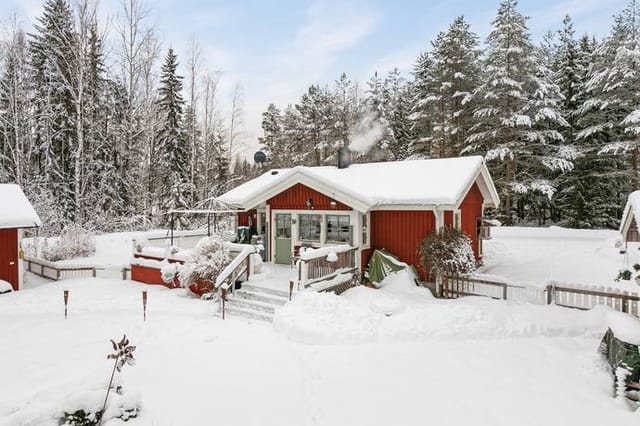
{"x": 419, "y": 183}
{"x": 15, "y": 210}
{"x": 631, "y": 210}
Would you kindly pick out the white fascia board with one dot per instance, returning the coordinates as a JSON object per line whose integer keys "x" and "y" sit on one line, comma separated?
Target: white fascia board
{"x": 302, "y": 178}
{"x": 416, "y": 207}
{"x": 627, "y": 217}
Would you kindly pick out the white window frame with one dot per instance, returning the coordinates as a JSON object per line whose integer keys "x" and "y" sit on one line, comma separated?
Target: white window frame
{"x": 457, "y": 219}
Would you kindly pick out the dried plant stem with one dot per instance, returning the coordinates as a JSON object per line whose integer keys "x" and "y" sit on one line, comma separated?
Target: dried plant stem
{"x": 104, "y": 406}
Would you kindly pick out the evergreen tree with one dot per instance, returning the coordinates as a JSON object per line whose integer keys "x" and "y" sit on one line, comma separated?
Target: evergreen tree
{"x": 54, "y": 108}
{"x": 518, "y": 112}
{"x": 174, "y": 149}
{"x": 615, "y": 86}
{"x": 453, "y": 77}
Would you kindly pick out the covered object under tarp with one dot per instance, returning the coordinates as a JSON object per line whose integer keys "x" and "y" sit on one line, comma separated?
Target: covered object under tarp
{"x": 382, "y": 263}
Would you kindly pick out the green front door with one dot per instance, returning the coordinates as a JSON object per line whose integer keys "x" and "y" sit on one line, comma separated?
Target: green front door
{"x": 283, "y": 238}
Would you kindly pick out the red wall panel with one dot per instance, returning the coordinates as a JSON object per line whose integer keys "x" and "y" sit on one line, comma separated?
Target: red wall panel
{"x": 9, "y": 256}
{"x": 400, "y": 232}
{"x": 243, "y": 218}
{"x": 471, "y": 209}
{"x": 295, "y": 198}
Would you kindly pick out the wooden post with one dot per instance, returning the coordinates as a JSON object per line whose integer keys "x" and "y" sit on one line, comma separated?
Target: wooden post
{"x": 172, "y": 226}
{"x": 549, "y": 294}
{"x": 504, "y": 291}
{"x": 144, "y": 305}
{"x": 93, "y": 272}
{"x": 224, "y": 299}
{"x": 66, "y": 302}
{"x": 290, "y": 289}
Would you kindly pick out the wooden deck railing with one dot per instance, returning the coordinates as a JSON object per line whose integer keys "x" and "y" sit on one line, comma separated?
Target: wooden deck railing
{"x": 318, "y": 268}
{"x": 52, "y": 271}
{"x": 561, "y": 294}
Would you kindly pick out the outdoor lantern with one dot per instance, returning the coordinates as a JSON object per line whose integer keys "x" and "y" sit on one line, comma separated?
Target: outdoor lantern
{"x": 310, "y": 203}
{"x": 333, "y": 204}
{"x": 66, "y": 302}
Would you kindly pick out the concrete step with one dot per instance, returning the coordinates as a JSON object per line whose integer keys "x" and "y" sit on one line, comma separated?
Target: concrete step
{"x": 257, "y": 289}
{"x": 232, "y": 310}
{"x": 260, "y": 297}
{"x": 251, "y": 304}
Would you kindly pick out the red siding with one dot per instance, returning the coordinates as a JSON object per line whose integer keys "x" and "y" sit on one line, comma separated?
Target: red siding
{"x": 147, "y": 275}
{"x": 400, "y": 232}
{"x": 243, "y": 218}
{"x": 295, "y": 198}
{"x": 471, "y": 209}
{"x": 9, "y": 256}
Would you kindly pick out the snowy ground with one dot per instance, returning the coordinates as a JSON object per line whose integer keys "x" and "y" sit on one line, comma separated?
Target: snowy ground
{"x": 371, "y": 357}
{"x": 534, "y": 255}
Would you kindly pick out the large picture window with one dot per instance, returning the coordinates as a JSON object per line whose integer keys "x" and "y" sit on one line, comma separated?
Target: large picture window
{"x": 338, "y": 229}
{"x": 310, "y": 227}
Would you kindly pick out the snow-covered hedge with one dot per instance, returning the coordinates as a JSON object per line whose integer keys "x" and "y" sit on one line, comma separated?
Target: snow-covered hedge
{"x": 205, "y": 263}
{"x": 447, "y": 252}
{"x": 74, "y": 241}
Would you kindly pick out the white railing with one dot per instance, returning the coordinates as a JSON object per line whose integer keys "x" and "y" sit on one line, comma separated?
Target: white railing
{"x": 239, "y": 266}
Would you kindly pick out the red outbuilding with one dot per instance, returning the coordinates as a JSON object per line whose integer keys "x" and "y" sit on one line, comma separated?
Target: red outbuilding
{"x": 388, "y": 205}
{"x": 16, "y": 214}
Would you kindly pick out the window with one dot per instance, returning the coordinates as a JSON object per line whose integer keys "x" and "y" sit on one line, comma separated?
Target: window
{"x": 262, "y": 229}
{"x": 364, "y": 230}
{"x": 457, "y": 219}
{"x": 283, "y": 226}
{"x": 309, "y": 227}
{"x": 338, "y": 229}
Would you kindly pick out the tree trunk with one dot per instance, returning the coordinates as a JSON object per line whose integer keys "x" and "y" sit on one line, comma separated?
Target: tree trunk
{"x": 634, "y": 168}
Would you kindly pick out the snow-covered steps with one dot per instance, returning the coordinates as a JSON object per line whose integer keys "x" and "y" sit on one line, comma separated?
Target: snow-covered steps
{"x": 255, "y": 302}
{"x": 234, "y": 310}
{"x": 260, "y": 296}
{"x": 254, "y": 288}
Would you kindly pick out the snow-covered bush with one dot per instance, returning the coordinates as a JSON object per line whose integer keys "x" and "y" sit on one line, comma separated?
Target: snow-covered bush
{"x": 447, "y": 252}
{"x": 74, "y": 241}
{"x": 205, "y": 263}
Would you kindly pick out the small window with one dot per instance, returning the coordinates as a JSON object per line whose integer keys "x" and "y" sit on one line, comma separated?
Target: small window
{"x": 338, "y": 229}
{"x": 310, "y": 227}
{"x": 457, "y": 219}
{"x": 364, "y": 230}
{"x": 283, "y": 226}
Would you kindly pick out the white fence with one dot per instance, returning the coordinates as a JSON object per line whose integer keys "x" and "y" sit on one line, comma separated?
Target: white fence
{"x": 562, "y": 294}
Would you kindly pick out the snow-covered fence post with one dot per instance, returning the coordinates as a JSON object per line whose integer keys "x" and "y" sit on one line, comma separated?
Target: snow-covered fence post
{"x": 549, "y": 294}
{"x": 223, "y": 297}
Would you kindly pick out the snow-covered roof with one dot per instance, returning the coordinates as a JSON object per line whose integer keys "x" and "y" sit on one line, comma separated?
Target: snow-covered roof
{"x": 426, "y": 183}
{"x": 631, "y": 210}
{"x": 15, "y": 210}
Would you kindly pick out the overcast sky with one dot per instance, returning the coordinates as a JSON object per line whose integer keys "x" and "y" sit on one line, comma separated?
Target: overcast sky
{"x": 277, "y": 48}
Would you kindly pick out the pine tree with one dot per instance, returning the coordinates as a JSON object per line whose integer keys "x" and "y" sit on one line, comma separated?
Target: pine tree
{"x": 53, "y": 103}
{"x": 422, "y": 112}
{"x": 615, "y": 86}
{"x": 174, "y": 150}
{"x": 518, "y": 112}
{"x": 453, "y": 77}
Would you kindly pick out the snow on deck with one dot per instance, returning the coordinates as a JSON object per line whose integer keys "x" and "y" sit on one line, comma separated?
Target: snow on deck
{"x": 15, "y": 210}
{"x": 534, "y": 256}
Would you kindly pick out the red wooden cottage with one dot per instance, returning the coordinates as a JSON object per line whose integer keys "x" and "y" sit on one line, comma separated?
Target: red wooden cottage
{"x": 391, "y": 205}
{"x": 16, "y": 214}
{"x": 630, "y": 219}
